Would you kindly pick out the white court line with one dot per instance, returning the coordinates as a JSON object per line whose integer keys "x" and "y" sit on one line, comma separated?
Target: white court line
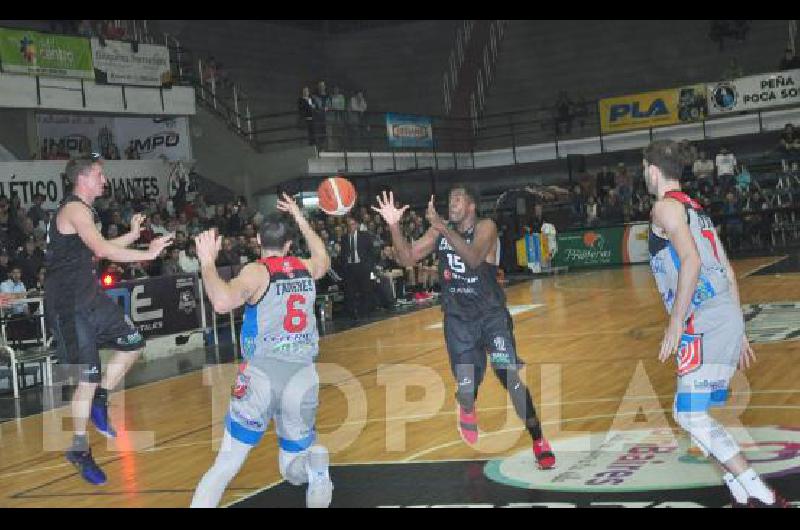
{"x": 760, "y": 267}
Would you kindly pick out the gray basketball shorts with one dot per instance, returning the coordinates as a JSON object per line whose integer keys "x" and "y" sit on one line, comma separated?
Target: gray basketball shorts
{"x": 708, "y": 356}
{"x": 267, "y": 389}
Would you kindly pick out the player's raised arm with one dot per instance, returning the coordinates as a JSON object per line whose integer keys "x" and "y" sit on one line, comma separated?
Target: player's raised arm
{"x": 407, "y": 254}
{"x": 670, "y": 215}
{"x": 76, "y": 218}
{"x": 320, "y": 261}
{"x": 226, "y": 296}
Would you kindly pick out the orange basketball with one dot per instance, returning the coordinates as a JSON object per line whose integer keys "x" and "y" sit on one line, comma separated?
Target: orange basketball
{"x": 337, "y": 195}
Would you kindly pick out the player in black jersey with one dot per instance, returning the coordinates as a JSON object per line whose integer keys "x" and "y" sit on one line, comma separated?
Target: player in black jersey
{"x": 80, "y": 314}
{"x": 476, "y": 320}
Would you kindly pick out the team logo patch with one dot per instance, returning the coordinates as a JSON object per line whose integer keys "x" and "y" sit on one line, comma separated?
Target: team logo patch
{"x": 690, "y": 353}
{"x": 240, "y": 386}
{"x": 499, "y": 344}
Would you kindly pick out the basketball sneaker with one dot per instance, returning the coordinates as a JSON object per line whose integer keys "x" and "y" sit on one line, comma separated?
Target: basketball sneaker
{"x": 468, "y": 425}
{"x": 87, "y": 467}
{"x": 780, "y": 502}
{"x": 101, "y": 420}
{"x": 319, "y": 492}
{"x": 545, "y": 458}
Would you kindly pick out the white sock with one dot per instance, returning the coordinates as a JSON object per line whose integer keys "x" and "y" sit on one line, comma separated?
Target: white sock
{"x": 317, "y": 462}
{"x": 738, "y": 492}
{"x": 755, "y": 487}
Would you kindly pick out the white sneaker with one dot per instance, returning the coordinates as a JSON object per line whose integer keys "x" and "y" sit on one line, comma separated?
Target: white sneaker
{"x": 319, "y": 492}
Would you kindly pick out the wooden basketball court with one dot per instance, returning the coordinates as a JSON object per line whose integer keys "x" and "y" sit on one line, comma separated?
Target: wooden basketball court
{"x": 590, "y": 341}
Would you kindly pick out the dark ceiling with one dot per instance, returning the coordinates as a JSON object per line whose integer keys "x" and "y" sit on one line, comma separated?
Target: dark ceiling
{"x": 338, "y": 26}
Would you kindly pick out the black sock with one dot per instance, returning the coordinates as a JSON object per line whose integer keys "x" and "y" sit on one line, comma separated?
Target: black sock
{"x": 80, "y": 442}
{"x": 101, "y": 396}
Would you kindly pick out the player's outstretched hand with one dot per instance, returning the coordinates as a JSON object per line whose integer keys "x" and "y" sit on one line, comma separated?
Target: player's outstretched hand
{"x": 433, "y": 217}
{"x": 671, "y": 342}
{"x": 136, "y": 224}
{"x": 390, "y": 213}
{"x": 208, "y": 244}
{"x": 747, "y": 355}
{"x": 288, "y": 204}
{"x": 159, "y": 244}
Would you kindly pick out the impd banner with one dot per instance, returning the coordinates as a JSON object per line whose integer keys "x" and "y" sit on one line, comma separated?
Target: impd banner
{"x": 405, "y": 130}
{"x": 153, "y": 138}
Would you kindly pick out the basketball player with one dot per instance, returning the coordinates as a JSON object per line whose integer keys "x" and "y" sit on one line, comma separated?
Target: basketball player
{"x": 706, "y": 326}
{"x": 476, "y": 320}
{"x": 80, "y": 314}
{"x": 279, "y": 340}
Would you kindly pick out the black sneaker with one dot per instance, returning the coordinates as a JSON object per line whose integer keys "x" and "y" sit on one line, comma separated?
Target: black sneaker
{"x": 87, "y": 467}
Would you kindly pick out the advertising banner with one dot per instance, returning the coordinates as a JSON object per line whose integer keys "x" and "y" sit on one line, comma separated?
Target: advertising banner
{"x": 754, "y": 92}
{"x": 404, "y": 130}
{"x": 160, "y": 306}
{"x": 652, "y": 109}
{"x": 151, "y": 138}
{"x": 153, "y": 179}
{"x": 116, "y": 62}
{"x": 615, "y": 245}
{"x": 34, "y": 53}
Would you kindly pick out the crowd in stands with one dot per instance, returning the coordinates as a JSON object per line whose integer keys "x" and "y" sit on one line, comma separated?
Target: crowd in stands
{"x": 104, "y": 29}
{"x": 328, "y": 117}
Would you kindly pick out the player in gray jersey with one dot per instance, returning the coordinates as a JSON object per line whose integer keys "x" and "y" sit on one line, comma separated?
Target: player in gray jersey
{"x": 706, "y": 327}
{"x": 279, "y": 341}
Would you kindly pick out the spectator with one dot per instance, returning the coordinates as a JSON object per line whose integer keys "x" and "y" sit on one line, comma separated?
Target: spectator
{"x": 86, "y": 29}
{"x": 29, "y": 260}
{"x": 563, "y": 111}
{"x": 305, "y": 109}
{"x": 14, "y": 285}
{"x": 726, "y": 167}
{"x": 131, "y": 153}
{"x": 591, "y": 211}
{"x": 180, "y": 237}
{"x": 38, "y": 287}
{"x": 743, "y": 178}
{"x": 5, "y": 269}
{"x": 703, "y": 171}
{"x": 605, "y": 182}
{"x": 171, "y": 264}
{"x": 157, "y": 225}
{"x": 188, "y": 259}
{"x": 358, "y": 106}
{"x": 227, "y": 256}
{"x": 790, "y": 140}
{"x": 358, "y": 262}
{"x": 322, "y": 100}
{"x": 790, "y": 61}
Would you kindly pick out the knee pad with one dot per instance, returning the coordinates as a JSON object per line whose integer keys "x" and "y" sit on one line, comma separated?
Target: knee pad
{"x": 708, "y": 434}
{"x": 293, "y": 467}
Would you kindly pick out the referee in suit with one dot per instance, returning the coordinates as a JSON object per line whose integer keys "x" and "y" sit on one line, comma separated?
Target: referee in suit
{"x": 358, "y": 261}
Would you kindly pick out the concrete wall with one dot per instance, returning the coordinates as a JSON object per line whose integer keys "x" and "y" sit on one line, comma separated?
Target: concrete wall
{"x": 226, "y": 159}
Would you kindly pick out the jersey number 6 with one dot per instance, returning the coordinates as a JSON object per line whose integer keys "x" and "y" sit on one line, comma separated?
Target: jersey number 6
{"x": 293, "y": 313}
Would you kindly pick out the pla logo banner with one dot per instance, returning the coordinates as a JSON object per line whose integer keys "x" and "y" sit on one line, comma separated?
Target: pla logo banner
{"x": 34, "y": 53}
{"x": 754, "y": 92}
{"x": 405, "y": 130}
{"x": 653, "y": 109}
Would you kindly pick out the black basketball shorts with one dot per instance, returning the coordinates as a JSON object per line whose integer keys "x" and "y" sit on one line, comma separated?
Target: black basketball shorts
{"x": 471, "y": 342}
{"x": 82, "y": 330}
